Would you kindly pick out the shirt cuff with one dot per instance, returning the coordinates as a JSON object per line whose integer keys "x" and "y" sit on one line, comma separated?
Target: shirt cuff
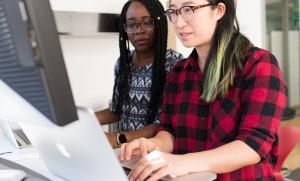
{"x": 259, "y": 142}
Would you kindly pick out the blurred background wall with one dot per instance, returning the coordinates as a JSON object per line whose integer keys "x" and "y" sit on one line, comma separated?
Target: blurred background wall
{"x": 90, "y": 57}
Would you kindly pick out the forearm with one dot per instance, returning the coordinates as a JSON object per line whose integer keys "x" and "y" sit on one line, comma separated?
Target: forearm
{"x": 223, "y": 159}
{"x": 146, "y": 132}
{"x": 165, "y": 141}
{"x": 106, "y": 117}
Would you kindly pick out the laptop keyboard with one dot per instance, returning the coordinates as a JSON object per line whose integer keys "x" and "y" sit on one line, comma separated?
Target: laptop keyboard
{"x": 21, "y": 138}
{"x": 126, "y": 170}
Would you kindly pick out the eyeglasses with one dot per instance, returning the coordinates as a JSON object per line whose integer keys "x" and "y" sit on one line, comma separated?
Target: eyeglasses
{"x": 186, "y": 12}
{"x": 145, "y": 24}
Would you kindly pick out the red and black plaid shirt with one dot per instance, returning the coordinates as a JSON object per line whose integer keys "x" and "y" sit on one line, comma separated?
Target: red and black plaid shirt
{"x": 251, "y": 112}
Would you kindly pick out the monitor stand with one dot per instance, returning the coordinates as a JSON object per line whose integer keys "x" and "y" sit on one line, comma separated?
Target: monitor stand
{"x": 31, "y": 175}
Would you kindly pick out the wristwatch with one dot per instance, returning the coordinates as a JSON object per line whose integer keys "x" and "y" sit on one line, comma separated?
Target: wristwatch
{"x": 121, "y": 138}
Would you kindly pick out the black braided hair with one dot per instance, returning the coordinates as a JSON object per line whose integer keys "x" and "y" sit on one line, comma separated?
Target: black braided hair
{"x": 123, "y": 76}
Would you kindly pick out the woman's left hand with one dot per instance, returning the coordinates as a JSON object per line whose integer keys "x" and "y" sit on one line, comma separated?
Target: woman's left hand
{"x": 157, "y": 165}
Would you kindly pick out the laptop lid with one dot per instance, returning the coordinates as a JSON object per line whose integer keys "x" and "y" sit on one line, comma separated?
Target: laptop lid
{"x": 78, "y": 151}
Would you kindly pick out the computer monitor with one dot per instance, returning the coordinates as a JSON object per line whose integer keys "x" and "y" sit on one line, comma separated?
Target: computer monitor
{"x": 31, "y": 60}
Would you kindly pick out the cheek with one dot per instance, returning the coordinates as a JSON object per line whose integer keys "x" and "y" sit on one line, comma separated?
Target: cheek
{"x": 152, "y": 34}
{"x": 204, "y": 30}
{"x": 130, "y": 37}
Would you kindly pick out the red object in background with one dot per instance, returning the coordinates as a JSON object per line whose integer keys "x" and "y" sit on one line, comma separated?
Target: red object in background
{"x": 289, "y": 136}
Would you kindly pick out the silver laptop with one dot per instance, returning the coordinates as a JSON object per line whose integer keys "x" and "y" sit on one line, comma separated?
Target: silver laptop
{"x": 78, "y": 151}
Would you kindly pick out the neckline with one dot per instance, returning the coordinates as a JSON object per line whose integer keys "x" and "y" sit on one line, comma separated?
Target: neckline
{"x": 145, "y": 67}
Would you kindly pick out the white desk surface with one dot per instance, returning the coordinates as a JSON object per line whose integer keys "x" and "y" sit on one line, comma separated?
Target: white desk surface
{"x": 29, "y": 158}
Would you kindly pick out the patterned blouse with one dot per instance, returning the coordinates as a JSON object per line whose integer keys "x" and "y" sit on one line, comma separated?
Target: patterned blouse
{"x": 139, "y": 94}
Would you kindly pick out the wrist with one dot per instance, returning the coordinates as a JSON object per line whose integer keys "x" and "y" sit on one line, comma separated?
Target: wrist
{"x": 155, "y": 142}
{"x": 111, "y": 137}
{"x": 196, "y": 162}
{"x": 114, "y": 141}
{"x": 189, "y": 162}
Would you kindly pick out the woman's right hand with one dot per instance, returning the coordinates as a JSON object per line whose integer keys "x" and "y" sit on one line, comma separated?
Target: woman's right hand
{"x": 141, "y": 146}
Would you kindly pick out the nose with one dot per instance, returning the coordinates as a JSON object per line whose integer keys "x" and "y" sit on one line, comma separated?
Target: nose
{"x": 139, "y": 29}
{"x": 180, "y": 21}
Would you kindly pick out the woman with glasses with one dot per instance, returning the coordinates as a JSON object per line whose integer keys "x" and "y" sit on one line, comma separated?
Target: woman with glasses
{"x": 139, "y": 74}
{"x": 222, "y": 105}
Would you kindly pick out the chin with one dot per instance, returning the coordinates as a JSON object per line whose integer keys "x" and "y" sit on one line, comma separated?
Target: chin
{"x": 188, "y": 44}
{"x": 139, "y": 48}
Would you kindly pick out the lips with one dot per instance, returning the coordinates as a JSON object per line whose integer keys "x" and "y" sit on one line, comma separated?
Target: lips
{"x": 184, "y": 35}
{"x": 139, "y": 41}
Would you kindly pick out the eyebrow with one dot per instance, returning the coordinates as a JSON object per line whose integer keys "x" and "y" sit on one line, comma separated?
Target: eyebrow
{"x": 134, "y": 19}
{"x": 183, "y": 4}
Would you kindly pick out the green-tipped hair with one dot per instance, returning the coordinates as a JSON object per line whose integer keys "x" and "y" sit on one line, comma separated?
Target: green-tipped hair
{"x": 226, "y": 54}
{"x": 212, "y": 78}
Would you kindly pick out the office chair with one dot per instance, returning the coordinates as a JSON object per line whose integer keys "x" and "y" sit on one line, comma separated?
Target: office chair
{"x": 289, "y": 136}
{"x": 288, "y": 113}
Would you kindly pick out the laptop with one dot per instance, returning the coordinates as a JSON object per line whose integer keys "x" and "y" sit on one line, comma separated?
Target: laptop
{"x": 78, "y": 151}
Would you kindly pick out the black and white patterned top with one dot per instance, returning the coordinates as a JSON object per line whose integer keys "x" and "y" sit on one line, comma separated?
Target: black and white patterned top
{"x": 139, "y": 94}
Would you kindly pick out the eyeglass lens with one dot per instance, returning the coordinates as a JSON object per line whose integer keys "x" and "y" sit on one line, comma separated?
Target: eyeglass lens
{"x": 145, "y": 24}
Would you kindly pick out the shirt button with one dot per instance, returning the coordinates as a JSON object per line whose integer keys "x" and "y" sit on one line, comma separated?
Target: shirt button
{"x": 202, "y": 118}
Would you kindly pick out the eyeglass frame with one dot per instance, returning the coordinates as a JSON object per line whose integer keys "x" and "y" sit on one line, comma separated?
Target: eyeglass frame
{"x": 178, "y": 11}
{"x": 139, "y": 24}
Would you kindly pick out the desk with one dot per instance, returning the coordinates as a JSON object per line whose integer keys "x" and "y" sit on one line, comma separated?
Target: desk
{"x": 29, "y": 158}
{"x": 30, "y": 174}
{"x": 26, "y": 157}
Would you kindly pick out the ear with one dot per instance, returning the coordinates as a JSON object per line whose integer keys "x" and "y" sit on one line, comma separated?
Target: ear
{"x": 220, "y": 10}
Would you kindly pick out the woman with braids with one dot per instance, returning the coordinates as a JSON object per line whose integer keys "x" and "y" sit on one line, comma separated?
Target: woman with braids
{"x": 139, "y": 74}
{"x": 222, "y": 105}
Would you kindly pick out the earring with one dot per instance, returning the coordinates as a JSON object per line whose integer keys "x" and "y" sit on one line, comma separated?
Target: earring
{"x": 158, "y": 18}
